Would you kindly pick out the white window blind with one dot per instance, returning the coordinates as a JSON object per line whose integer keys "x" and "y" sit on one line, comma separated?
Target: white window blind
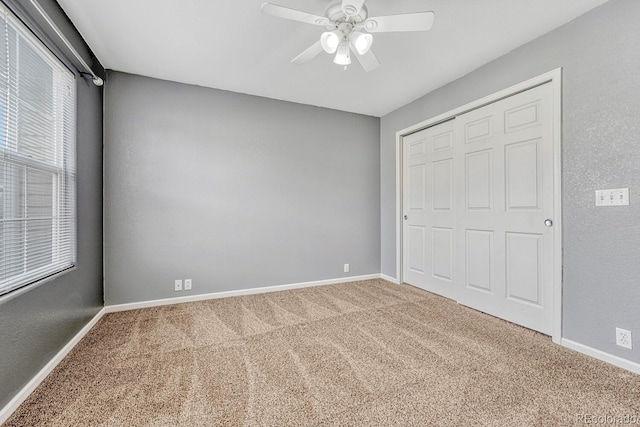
{"x": 37, "y": 159}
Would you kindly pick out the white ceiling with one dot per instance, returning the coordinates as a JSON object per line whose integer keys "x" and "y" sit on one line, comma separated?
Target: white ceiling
{"x": 231, "y": 45}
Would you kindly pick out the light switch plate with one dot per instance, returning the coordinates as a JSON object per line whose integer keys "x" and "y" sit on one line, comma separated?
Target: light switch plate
{"x": 614, "y": 197}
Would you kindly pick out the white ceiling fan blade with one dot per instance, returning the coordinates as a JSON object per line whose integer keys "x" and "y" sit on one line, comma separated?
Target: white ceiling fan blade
{"x": 293, "y": 14}
{"x": 368, "y": 60}
{"x": 418, "y": 21}
{"x": 352, "y": 7}
{"x": 310, "y": 53}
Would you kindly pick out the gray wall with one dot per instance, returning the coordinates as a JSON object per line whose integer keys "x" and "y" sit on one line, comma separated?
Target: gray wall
{"x": 233, "y": 191}
{"x": 36, "y": 324}
{"x": 600, "y": 56}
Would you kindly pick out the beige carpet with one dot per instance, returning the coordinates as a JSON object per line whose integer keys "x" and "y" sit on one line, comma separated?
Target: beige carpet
{"x": 364, "y": 353}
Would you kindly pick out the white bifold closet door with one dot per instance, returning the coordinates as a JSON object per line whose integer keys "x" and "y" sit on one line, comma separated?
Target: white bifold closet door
{"x": 478, "y": 198}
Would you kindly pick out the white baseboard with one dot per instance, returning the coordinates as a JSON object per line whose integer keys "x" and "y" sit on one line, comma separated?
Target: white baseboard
{"x": 601, "y": 355}
{"x": 22, "y": 395}
{"x": 225, "y": 294}
{"x": 389, "y": 279}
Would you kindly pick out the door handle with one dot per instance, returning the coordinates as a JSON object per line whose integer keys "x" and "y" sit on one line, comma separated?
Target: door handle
{"x": 405, "y": 217}
{"x": 548, "y": 222}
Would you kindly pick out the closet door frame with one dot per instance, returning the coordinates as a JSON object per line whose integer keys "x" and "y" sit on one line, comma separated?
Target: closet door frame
{"x": 553, "y": 77}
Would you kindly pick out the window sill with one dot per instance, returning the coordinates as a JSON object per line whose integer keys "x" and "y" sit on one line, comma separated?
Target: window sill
{"x": 23, "y": 290}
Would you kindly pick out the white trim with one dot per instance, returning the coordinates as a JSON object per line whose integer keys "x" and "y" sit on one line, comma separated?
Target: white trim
{"x": 240, "y": 292}
{"x": 556, "y": 82}
{"x": 399, "y": 190}
{"x": 22, "y": 395}
{"x": 389, "y": 279}
{"x": 601, "y": 355}
{"x": 555, "y": 77}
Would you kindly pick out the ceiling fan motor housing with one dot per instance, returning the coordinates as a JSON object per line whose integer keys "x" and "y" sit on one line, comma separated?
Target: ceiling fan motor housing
{"x": 336, "y": 15}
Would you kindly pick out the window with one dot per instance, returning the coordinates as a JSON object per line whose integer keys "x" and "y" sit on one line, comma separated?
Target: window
{"x": 37, "y": 159}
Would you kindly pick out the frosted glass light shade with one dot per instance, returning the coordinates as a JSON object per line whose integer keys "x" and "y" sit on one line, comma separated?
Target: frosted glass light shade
{"x": 343, "y": 57}
{"x": 330, "y": 41}
{"x": 361, "y": 41}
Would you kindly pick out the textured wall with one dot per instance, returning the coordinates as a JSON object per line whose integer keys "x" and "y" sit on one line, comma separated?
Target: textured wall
{"x": 600, "y": 57}
{"x": 36, "y": 324}
{"x": 233, "y": 191}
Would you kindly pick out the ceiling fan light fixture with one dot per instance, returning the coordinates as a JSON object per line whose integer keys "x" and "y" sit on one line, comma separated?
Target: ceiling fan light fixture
{"x": 361, "y": 41}
{"x": 343, "y": 57}
{"x": 330, "y": 41}
{"x": 348, "y": 28}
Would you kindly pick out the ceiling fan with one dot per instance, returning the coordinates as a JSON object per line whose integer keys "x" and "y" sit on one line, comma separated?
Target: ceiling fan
{"x": 348, "y": 28}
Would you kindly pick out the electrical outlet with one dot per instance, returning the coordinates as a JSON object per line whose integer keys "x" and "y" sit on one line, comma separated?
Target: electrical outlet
{"x": 187, "y": 284}
{"x": 178, "y": 285}
{"x": 346, "y": 268}
{"x": 623, "y": 338}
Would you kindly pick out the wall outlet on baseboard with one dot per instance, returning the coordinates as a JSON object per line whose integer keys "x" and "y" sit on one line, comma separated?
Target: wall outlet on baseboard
{"x": 346, "y": 268}
{"x": 623, "y": 338}
{"x": 177, "y": 285}
{"x": 187, "y": 284}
